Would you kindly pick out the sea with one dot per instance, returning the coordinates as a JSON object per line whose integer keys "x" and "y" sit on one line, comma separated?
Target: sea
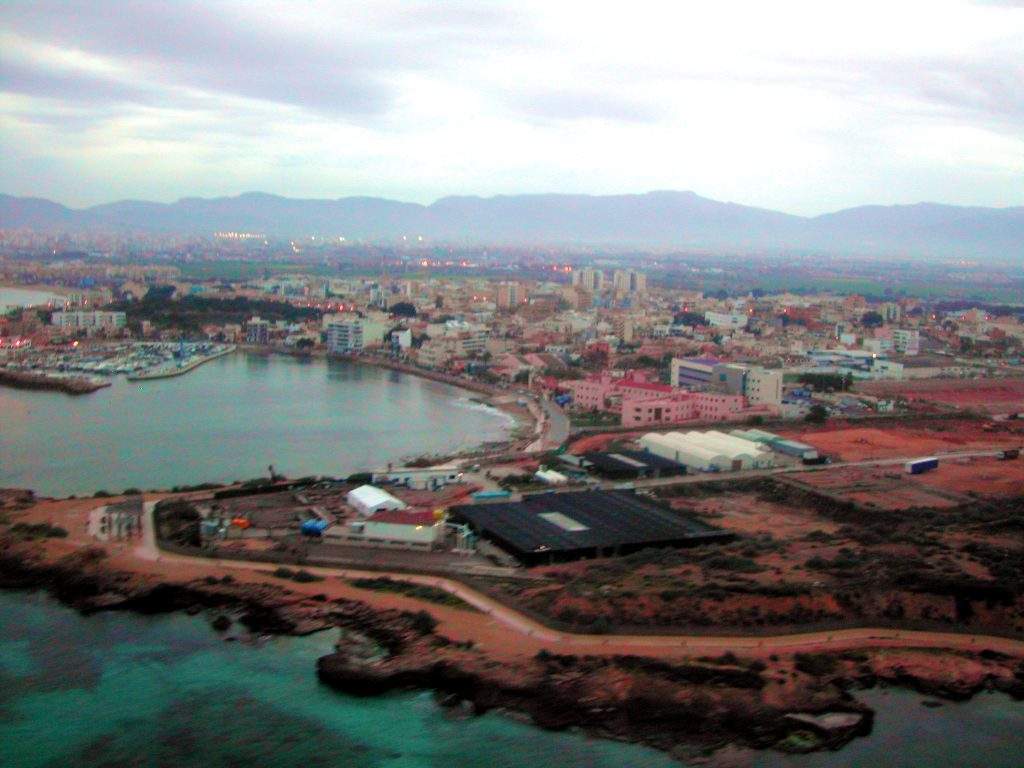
{"x": 11, "y": 298}
{"x": 121, "y": 689}
{"x": 231, "y": 419}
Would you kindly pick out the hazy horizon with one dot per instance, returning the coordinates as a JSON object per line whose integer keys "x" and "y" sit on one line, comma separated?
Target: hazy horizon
{"x": 799, "y": 107}
{"x": 470, "y": 195}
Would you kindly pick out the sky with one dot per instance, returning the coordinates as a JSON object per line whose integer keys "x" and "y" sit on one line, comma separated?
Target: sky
{"x": 805, "y": 107}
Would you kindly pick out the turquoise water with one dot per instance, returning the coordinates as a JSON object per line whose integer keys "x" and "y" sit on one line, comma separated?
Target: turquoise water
{"x": 127, "y": 690}
{"x": 228, "y": 420}
{"x": 121, "y": 689}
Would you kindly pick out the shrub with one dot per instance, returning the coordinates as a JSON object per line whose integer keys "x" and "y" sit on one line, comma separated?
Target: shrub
{"x": 284, "y": 573}
{"x": 423, "y": 622}
{"x": 305, "y": 577}
{"x": 816, "y": 664}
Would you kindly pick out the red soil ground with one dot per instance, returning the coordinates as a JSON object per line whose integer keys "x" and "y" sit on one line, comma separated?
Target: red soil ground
{"x": 991, "y": 395}
{"x": 848, "y": 443}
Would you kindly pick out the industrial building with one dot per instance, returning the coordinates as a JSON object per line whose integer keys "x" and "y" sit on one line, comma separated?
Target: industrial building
{"x": 632, "y": 465}
{"x": 409, "y": 528}
{"x": 708, "y": 451}
{"x": 557, "y": 527}
{"x": 776, "y": 443}
{"x": 419, "y": 478}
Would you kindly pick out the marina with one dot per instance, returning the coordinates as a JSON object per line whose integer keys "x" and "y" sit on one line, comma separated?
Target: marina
{"x": 142, "y": 359}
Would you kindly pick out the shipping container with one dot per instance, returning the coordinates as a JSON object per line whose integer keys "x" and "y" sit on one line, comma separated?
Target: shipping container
{"x": 491, "y": 495}
{"x": 815, "y": 459}
{"x": 314, "y": 527}
{"x": 917, "y": 466}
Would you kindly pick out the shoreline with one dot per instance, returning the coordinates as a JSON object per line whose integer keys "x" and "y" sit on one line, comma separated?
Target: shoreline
{"x": 675, "y": 698}
{"x": 521, "y": 421}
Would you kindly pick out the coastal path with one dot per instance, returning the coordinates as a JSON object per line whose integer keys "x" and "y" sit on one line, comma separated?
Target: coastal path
{"x": 520, "y": 633}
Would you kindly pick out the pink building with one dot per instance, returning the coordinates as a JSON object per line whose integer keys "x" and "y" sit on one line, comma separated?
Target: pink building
{"x": 604, "y": 391}
{"x": 638, "y": 411}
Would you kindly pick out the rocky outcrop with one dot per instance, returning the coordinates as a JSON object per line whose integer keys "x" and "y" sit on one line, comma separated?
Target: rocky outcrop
{"x": 625, "y": 698}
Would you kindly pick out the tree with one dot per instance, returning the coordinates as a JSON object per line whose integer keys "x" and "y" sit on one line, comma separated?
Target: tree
{"x": 871, "y": 319}
{"x": 688, "y": 318}
{"x": 817, "y": 414}
{"x": 403, "y": 309}
{"x": 304, "y": 343}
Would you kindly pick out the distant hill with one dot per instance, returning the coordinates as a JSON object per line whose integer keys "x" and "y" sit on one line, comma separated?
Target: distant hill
{"x": 682, "y": 220}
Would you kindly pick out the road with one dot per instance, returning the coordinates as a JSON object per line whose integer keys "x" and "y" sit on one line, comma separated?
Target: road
{"x": 705, "y": 477}
{"x": 558, "y": 424}
{"x": 533, "y": 634}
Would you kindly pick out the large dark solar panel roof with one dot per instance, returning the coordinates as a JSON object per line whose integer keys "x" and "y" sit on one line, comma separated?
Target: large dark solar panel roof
{"x": 565, "y": 522}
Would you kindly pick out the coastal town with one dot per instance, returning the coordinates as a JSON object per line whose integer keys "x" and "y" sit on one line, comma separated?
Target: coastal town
{"x": 692, "y": 473}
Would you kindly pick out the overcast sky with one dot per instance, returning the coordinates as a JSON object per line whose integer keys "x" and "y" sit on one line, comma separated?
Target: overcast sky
{"x": 801, "y": 106}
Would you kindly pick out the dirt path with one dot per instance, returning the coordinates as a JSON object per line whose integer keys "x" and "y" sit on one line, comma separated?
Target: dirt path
{"x": 529, "y": 636}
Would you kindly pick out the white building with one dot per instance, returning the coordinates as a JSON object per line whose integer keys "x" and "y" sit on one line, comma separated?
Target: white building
{"x": 762, "y": 386}
{"x": 707, "y": 451}
{"x": 727, "y": 320}
{"x": 399, "y": 528}
{"x": 80, "y": 319}
{"x": 629, "y": 281}
{"x": 345, "y": 336}
{"x": 588, "y": 279}
{"x": 906, "y": 342}
{"x": 368, "y": 499}
{"x": 425, "y": 478}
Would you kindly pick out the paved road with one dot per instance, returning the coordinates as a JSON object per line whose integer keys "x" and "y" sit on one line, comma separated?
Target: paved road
{"x": 558, "y": 424}
{"x": 533, "y": 632}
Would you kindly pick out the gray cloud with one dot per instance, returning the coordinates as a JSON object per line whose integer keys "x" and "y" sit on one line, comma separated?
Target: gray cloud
{"x": 228, "y": 49}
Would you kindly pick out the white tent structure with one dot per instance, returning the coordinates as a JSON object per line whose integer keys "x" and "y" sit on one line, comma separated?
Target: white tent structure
{"x": 747, "y": 453}
{"x": 367, "y": 499}
{"x": 681, "y": 448}
{"x": 707, "y": 451}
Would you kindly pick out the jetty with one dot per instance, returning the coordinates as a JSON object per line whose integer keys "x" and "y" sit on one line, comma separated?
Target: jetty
{"x": 182, "y": 367}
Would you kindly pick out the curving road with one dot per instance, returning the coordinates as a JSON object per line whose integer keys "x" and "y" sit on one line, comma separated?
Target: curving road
{"x": 534, "y": 633}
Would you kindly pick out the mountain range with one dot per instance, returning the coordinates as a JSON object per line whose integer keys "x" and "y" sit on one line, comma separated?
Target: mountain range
{"x": 662, "y": 220}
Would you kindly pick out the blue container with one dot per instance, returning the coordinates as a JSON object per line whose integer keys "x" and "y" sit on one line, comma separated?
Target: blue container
{"x": 918, "y": 466}
{"x": 490, "y": 495}
{"x": 314, "y": 527}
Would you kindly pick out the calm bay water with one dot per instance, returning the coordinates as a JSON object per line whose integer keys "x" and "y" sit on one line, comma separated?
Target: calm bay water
{"x": 25, "y": 297}
{"x": 120, "y": 689}
{"x": 228, "y": 420}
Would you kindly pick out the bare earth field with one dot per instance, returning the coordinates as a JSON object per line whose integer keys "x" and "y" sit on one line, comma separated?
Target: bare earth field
{"x": 987, "y": 395}
{"x": 845, "y": 442}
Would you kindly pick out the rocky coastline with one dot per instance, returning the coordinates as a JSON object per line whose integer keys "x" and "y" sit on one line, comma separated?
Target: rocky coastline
{"x": 683, "y": 707}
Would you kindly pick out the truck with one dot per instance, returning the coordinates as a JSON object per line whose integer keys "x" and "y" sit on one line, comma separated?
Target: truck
{"x": 919, "y": 466}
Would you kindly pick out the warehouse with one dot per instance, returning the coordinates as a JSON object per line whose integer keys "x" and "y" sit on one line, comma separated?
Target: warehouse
{"x": 547, "y": 528}
{"x": 708, "y": 451}
{"x": 749, "y": 454}
{"x": 632, "y": 465}
{"x": 367, "y": 499}
{"x": 678, "y": 447}
{"x": 776, "y": 443}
